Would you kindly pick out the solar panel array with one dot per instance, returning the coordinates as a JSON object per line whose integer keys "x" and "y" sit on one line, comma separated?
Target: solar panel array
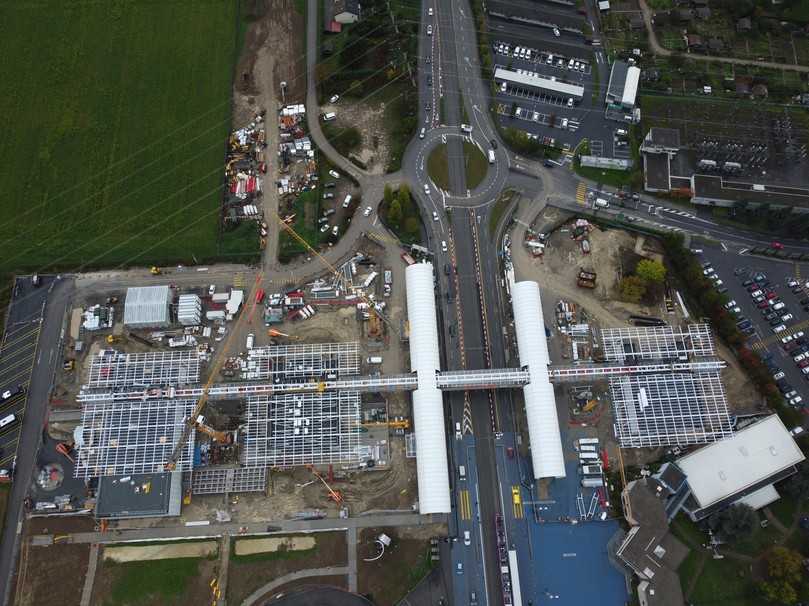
{"x": 303, "y": 361}
{"x": 669, "y": 409}
{"x": 217, "y": 480}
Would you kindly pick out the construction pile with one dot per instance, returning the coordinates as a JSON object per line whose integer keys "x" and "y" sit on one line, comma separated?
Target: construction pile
{"x": 246, "y": 162}
{"x": 568, "y": 319}
{"x": 580, "y": 230}
{"x": 586, "y": 279}
{"x": 97, "y": 317}
{"x": 535, "y": 242}
{"x": 296, "y": 154}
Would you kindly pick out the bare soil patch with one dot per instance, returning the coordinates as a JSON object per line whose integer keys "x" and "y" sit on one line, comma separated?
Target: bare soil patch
{"x": 405, "y": 562}
{"x": 55, "y": 572}
{"x": 160, "y": 551}
{"x": 273, "y": 544}
{"x": 248, "y": 573}
{"x": 369, "y": 119}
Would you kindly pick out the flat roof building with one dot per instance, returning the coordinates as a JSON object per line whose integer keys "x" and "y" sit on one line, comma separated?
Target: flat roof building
{"x": 539, "y": 84}
{"x": 139, "y": 495}
{"x": 622, "y": 89}
{"x": 714, "y": 190}
{"x": 741, "y": 469}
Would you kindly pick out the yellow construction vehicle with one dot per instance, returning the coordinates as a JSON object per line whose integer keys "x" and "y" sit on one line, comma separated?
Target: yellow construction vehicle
{"x": 334, "y": 495}
{"x": 222, "y": 437}
{"x": 155, "y": 271}
{"x": 113, "y": 339}
{"x": 69, "y": 365}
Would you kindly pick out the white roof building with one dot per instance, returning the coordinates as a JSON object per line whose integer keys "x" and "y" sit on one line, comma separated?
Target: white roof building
{"x": 740, "y": 469}
{"x": 540, "y": 404}
{"x": 428, "y": 406}
{"x": 539, "y": 83}
{"x": 147, "y": 307}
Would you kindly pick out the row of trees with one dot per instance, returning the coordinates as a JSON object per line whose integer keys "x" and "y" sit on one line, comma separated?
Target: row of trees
{"x": 710, "y": 304}
{"x": 401, "y": 214}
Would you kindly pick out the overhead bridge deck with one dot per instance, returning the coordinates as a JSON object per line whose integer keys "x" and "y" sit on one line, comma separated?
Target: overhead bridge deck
{"x": 454, "y": 380}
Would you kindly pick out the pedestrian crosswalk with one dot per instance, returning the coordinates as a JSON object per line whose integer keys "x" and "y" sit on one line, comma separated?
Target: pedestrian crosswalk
{"x": 465, "y": 505}
{"x": 238, "y": 281}
{"x": 581, "y": 193}
{"x": 762, "y": 345}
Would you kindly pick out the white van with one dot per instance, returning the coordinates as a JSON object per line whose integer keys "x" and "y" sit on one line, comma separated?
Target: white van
{"x": 466, "y": 128}
{"x": 602, "y": 203}
{"x": 251, "y": 339}
{"x": 329, "y": 116}
{"x": 491, "y": 156}
{"x": 347, "y": 201}
{"x": 374, "y": 360}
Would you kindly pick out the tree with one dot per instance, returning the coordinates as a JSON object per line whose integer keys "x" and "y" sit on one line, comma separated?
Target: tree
{"x": 632, "y": 289}
{"x": 734, "y": 523}
{"x": 411, "y": 227}
{"x": 783, "y": 575}
{"x": 388, "y": 195}
{"x": 651, "y": 271}
{"x": 797, "y": 485}
{"x": 395, "y": 214}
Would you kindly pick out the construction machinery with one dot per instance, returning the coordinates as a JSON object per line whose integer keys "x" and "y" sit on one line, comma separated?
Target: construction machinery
{"x": 64, "y": 449}
{"x": 69, "y": 365}
{"x": 155, "y": 271}
{"x": 195, "y": 420}
{"x": 334, "y": 495}
{"x": 222, "y": 437}
{"x": 113, "y": 339}
{"x": 277, "y": 333}
{"x": 374, "y": 324}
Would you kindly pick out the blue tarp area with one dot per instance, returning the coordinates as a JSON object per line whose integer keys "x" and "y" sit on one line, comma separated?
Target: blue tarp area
{"x": 570, "y": 565}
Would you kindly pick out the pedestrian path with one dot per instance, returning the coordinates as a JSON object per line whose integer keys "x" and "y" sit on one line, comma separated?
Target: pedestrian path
{"x": 581, "y": 193}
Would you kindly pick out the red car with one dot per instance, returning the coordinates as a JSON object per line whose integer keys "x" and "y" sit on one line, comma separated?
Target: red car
{"x": 777, "y": 246}
{"x": 260, "y": 295}
{"x": 763, "y": 304}
{"x": 771, "y": 295}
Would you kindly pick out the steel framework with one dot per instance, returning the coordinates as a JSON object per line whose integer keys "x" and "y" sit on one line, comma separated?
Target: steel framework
{"x": 215, "y": 480}
{"x": 303, "y": 361}
{"x": 303, "y": 428}
{"x": 111, "y": 368}
{"x": 657, "y": 342}
{"x": 659, "y": 410}
{"x": 121, "y": 438}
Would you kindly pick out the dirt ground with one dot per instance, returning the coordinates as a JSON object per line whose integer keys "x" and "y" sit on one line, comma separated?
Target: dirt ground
{"x": 369, "y": 119}
{"x": 161, "y": 551}
{"x": 196, "y": 591}
{"x": 52, "y": 574}
{"x": 404, "y": 563}
{"x": 247, "y": 574}
{"x": 274, "y": 52}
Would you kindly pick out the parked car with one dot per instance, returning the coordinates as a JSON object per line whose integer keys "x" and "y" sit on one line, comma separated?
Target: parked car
{"x": 779, "y": 328}
{"x": 11, "y": 393}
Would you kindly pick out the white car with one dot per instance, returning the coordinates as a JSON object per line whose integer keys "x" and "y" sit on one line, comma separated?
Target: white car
{"x": 780, "y": 328}
{"x": 570, "y": 102}
{"x": 716, "y": 280}
{"x": 778, "y": 376}
{"x": 334, "y": 174}
{"x": 798, "y": 334}
{"x": 581, "y": 67}
{"x": 792, "y": 282}
{"x": 435, "y": 216}
{"x": 787, "y": 317}
{"x": 787, "y": 339}
{"x": 805, "y": 370}
{"x": 335, "y": 230}
{"x": 796, "y": 401}
{"x": 367, "y": 212}
{"x": 324, "y": 229}
{"x": 730, "y": 304}
{"x": 556, "y": 32}
{"x": 736, "y": 310}
{"x": 429, "y": 30}
{"x": 334, "y": 99}
{"x": 443, "y": 246}
{"x": 430, "y": 12}
{"x": 799, "y": 358}
{"x": 756, "y": 293}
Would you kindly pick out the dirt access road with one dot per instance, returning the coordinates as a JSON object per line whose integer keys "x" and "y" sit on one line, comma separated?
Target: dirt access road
{"x": 274, "y": 52}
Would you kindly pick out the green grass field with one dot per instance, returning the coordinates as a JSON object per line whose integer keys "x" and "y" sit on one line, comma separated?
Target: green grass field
{"x": 116, "y": 116}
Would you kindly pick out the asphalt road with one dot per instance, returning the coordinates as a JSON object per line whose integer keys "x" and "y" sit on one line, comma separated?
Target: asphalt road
{"x": 36, "y": 369}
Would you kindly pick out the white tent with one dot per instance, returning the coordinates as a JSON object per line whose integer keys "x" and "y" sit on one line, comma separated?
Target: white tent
{"x": 147, "y": 307}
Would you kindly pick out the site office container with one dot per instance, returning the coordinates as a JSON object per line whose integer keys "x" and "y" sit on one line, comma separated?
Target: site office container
{"x": 592, "y": 482}
{"x": 588, "y": 456}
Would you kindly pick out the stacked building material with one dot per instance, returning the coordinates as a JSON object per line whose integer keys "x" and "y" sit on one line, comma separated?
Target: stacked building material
{"x": 189, "y": 310}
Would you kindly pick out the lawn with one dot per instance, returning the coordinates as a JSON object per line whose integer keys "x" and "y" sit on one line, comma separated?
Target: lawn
{"x": 785, "y": 509}
{"x": 685, "y": 530}
{"x": 150, "y": 582}
{"x": 475, "y": 162}
{"x": 306, "y": 208}
{"x": 116, "y": 120}
{"x": 725, "y": 582}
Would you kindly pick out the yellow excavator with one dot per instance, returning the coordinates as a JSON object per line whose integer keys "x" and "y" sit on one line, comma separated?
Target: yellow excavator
{"x": 155, "y": 271}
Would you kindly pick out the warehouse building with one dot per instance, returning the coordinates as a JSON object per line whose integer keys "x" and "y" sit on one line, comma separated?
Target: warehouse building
{"x": 147, "y": 307}
{"x": 538, "y": 85}
{"x": 139, "y": 496}
{"x": 741, "y": 469}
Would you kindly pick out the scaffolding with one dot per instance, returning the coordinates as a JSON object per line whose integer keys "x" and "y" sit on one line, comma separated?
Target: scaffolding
{"x": 672, "y": 409}
{"x": 657, "y": 343}
{"x": 300, "y": 361}
{"x": 217, "y": 480}
{"x": 302, "y": 429}
{"x": 111, "y": 368}
{"x": 120, "y": 438}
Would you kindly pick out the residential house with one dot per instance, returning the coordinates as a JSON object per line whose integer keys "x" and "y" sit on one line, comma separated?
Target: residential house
{"x": 694, "y": 43}
{"x": 346, "y": 11}
{"x": 760, "y": 91}
{"x": 744, "y": 25}
{"x": 744, "y": 85}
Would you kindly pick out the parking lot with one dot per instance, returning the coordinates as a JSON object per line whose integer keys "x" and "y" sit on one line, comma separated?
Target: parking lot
{"x": 17, "y": 357}
{"x": 770, "y": 300}
{"x": 532, "y": 48}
